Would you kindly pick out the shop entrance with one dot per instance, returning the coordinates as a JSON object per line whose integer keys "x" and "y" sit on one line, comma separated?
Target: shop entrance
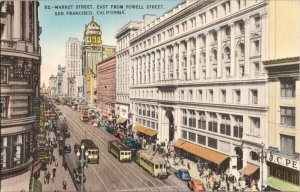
{"x": 239, "y": 153}
{"x": 169, "y": 119}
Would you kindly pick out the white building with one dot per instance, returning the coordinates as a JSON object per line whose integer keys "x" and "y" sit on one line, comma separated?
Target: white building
{"x": 123, "y": 67}
{"x": 73, "y": 57}
{"x": 197, "y": 80}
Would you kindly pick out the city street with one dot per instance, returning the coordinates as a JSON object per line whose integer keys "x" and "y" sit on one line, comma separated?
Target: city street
{"x": 110, "y": 174}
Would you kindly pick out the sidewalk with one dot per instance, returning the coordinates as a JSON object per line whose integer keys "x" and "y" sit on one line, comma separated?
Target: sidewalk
{"x": 60, "y": 174}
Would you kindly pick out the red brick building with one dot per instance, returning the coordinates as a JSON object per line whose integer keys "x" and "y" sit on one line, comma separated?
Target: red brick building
{"x": 106, "y": 87}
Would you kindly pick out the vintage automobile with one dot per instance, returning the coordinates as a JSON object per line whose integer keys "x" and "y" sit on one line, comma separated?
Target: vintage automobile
{"x": 67, "y": 148}
{"x": 66, "y": 134}
{"x": 77, "y": 174}
{"x": 119, "y": 135}
{"x": 183, "y": 174}
{"x": 196, "y": 185}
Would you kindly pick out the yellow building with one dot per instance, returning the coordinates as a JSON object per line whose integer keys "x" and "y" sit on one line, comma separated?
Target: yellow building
{"x": 282, "y": 64}
{"x": 90, "y": 86}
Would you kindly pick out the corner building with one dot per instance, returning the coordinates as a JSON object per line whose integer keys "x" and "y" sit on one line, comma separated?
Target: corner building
{"x": 20, "y": 85}
{"x": 197, "y": 81}
{"x": 283, "y": 67}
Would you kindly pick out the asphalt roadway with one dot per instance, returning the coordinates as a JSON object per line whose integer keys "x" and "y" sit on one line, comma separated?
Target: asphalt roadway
{"x": 110, "y": 174}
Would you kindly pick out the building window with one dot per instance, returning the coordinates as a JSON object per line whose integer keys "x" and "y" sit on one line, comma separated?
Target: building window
{"x": 201, "y": 139}
{"x": 192, "y": 136}
{"x": 254, "y": 156}
{"x": 287, "y": 145}
{"x": 184, "y": 117}
{"x": 184, "y": 26}
{"x": 223, "y": 96}
{"x": 256, "y": 68}
{"x": 238, "y": 127}
{"x": 184, "y": 134}
{"x": 253, "y": 96}
{"x": 202, "y": 120}
{"x": 255, "y": 126}
{"x": 242, "y": 70}
{"x": 225, "y": 127}
{"x": 182, "y": 95}
{"x": 192, "y": 119}
{"x": 287, "y": 87}
{"x": 256, "y": 47}
{"x": 287, "y": 116}
{"x": 237, "y": 96}
{"x": 257, "y": 23}
{"x": 211, "y": 95}
{"x": 4, "y": 74}
{"x": 191, "y": 95}
{"x": 3, "y": 163}
{"x": 200, "y": 95}
{"x": 213, "y": 123}
{"x": 4, "y": 106}
{"x": 227, "y": 72}
{"x": 213, "y": 143}
{"x": 158, "y": 38}
{"x": 193, "y": 22}
{"x": 17, "y": 149}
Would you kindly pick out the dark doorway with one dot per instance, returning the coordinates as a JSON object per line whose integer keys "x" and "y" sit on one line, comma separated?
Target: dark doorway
{"x": 169, "y": 115}
{"x": 239, "y": 153}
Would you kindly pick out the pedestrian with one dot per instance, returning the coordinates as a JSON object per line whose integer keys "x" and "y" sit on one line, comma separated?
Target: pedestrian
{"x": 65, "y": 184}
{"x": 188, "y": 166}
{"x": 52, "y": 177}
{"x": 45, "y": 177}
{"x": 154, "y": 147}
{"x": 48, "y": 177}
{"x": 53, "y": 171}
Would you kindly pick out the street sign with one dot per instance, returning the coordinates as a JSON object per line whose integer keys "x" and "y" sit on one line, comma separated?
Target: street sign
{"x": 36, "y": 166}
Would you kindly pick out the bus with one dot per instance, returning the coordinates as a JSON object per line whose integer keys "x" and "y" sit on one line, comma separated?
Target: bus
{"x": 153, "y": 163}
{"x": 119, "y": 150}
{"x": 92, "y": 149}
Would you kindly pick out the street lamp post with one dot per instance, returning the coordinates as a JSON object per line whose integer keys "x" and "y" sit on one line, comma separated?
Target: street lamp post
{"x": 82, "y": 162}
{"x": 262, "y": 158}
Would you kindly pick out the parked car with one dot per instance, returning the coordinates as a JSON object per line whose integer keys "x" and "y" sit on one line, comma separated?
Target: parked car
{"x": 67, "y": 148}
{"x": 60, "y": 140}
{"x": 183, "y": 174}
{"x": 119, "y": 135}
{"x": 78, "y": 176}
{"x": 196, "y": 185}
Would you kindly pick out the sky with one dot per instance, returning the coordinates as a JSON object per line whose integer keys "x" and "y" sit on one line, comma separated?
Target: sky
{"x": 58, "y": 24}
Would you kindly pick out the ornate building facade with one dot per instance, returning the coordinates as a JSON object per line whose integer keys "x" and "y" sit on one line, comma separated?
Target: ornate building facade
{"x": 93, "y": 52}
{"x": 197, "y": 81}
{"x": 20, "y": 84}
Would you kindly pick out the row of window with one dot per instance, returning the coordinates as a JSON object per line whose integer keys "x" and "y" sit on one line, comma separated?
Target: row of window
{"x": 146, "y": 123}
{"x": 192, "y": 22}
{"x": 147, "y": 111}
{"x": 5, "y": 106}
{"x": 201, "y": 139}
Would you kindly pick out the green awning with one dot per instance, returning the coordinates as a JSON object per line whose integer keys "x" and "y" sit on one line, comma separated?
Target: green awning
{"x": 281, "y": 185}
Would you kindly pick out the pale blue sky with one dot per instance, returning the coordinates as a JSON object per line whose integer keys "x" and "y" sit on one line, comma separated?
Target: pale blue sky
{"x": 56, "y": 30}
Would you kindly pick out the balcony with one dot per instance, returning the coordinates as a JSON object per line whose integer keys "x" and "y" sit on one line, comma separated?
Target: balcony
{"x": 167, "y": 83}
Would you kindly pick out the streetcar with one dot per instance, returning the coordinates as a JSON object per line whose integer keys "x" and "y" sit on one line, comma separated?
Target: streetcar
{"x": 119, "y": 150}
{"x": 152, "y": 163}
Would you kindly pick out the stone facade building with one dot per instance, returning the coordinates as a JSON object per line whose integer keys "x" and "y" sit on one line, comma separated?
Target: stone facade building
{"x": 20, "y": 85}
{"x": 73, "y": 57}
{"x": 197, "y": 81}
{"x": 93, "y": 52}
{"x": 59, "y": 80}
{"x": 123, "y": 68}
{"x": 106, "y": 87}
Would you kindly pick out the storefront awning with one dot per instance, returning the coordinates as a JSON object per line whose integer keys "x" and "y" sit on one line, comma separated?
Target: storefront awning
{"x": 202, "y": 152}
{"x": 121, "y": 120}
{"x": 249, "y": 169}
{"x": 281, "y": 185}
{"x": 145, "y": 130}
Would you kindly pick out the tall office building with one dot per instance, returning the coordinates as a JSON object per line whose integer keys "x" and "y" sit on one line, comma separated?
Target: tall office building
{"x": 20, "y": 85}
{"x": 73, "y": 57}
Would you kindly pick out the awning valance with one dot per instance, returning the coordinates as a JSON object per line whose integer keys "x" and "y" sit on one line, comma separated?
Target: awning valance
{"x": 121, "y": 120}
{"x": 145, "y": 130}
{"x": 281, "y": 185}
{"x": 208, "y": 154}
{"x": 249, "y": 169}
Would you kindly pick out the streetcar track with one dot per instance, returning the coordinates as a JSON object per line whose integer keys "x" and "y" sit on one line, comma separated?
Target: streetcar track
{"x": 103, "y": 139}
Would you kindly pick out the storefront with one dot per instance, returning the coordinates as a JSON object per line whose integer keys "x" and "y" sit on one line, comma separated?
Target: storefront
{"x": 284, "y": 173}
{"x": 214, "y": 160}
{"x": 149, "y": 135}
